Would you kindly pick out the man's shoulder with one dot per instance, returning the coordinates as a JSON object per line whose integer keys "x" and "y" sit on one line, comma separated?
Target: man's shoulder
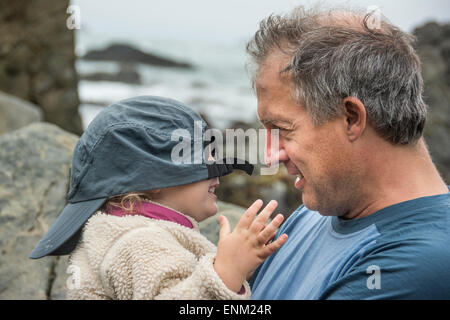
{"x": 423, "y": 249}
{"x": 424, "y": 221}
{"x": 410, "y": 262}
{"x": 415, "y": 245}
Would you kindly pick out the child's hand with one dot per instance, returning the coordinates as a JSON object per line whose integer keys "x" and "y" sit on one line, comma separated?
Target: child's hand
{"x": 241, "y": 251}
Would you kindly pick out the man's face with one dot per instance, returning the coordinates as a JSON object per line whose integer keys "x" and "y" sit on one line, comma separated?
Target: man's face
{"x": 321, "y": 154}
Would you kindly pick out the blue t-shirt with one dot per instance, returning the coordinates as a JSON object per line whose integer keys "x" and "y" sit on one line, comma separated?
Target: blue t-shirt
{"x": 399, "y": 252}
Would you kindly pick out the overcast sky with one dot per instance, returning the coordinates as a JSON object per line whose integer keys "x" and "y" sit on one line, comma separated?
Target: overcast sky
{"x": 228, "y": 20}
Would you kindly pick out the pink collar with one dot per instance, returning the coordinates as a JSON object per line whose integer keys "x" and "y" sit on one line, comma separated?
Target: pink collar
{"x": 159, "y": 212}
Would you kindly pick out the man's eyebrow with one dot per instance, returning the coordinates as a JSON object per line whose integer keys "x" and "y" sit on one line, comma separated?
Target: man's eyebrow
{"x": 271, "y": 121}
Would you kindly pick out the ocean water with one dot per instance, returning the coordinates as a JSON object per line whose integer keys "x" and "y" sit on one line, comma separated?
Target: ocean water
{"x": 218, "y": 87}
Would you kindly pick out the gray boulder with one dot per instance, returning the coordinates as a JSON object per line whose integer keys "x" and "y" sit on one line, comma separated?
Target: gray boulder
{"x": 37, "y": 59}
{"x": 210, "y": 227}
{"x": 127, "y": 53}
{"x": 34, "y": 170}
{"x": 127, "y": 74}
{"x": 433, "y": 47}
{"x": 16, "y": 113}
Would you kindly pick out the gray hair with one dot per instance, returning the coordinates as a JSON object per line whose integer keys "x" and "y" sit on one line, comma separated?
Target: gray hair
{"x": 335, "y": 54}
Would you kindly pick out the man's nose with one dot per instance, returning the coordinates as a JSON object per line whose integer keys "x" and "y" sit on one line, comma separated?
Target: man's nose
{"x": 275, "y": 152}
{"x": 277, "y": 156}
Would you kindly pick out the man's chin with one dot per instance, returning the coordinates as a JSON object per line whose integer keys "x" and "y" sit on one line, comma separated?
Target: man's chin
{"x": 323, "y": 210}
{"x": 308, "y": 202}
{"x": 314, "y": 204}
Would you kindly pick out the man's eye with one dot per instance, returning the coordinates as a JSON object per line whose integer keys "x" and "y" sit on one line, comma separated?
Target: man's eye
{"x": 279, "y": 128}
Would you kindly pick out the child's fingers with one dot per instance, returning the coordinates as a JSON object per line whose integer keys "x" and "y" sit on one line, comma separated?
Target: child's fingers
{"x": 261, "y": 219}
{"x": 269, "y": 231}
{"x": 274, "y": 246}
{"x": 249, "y": 215}
{"x": 224, "y": 226}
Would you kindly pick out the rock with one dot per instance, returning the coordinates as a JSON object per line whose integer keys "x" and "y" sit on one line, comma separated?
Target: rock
{"x": 16, "y": 113}
{"x": 433, "y": 47}
{"x": 127, "y": 74}
{"x": 127, "y": 53}
{"x": 430, "y": 33}
{"x": 197, "y": 84}
{"x": 37, "y": 59}
{"x": 34, "y": 175}
{"x": 210, "y": 227}
{"x": 433, "y": 65}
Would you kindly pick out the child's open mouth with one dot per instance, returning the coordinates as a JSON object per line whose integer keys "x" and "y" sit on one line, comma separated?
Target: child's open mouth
{"x": 211, "y": 190}
{"x": 212, "y": 195}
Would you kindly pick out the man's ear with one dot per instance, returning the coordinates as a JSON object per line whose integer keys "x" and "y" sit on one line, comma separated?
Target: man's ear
{"x": 354, "y": 113}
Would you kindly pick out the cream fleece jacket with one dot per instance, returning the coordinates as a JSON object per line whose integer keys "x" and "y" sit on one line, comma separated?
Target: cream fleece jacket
{"x": 136, "y": 257}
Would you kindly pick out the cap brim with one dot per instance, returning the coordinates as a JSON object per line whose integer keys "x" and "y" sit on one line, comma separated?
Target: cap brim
{"x": 64, "y": 234}
{"x": 227, "y": 165}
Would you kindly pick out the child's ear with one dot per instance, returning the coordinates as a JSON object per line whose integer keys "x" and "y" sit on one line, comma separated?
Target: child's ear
{"x": 153, "y": 194}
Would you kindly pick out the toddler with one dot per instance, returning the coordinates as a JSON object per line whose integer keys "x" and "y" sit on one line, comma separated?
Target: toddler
{"x": 131, "y": 221}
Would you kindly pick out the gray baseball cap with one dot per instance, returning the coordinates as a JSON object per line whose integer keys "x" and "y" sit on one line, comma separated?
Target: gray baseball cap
{"x": 129, "y": 147}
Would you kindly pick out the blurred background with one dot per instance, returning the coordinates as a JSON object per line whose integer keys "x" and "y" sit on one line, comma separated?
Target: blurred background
{"x": 62, "y": 61}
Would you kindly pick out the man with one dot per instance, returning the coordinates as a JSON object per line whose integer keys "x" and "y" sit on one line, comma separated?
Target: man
{"x": 346, "y": 96}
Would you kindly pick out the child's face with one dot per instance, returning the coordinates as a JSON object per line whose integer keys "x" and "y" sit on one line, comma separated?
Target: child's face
{"x": 196, "y": 200}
